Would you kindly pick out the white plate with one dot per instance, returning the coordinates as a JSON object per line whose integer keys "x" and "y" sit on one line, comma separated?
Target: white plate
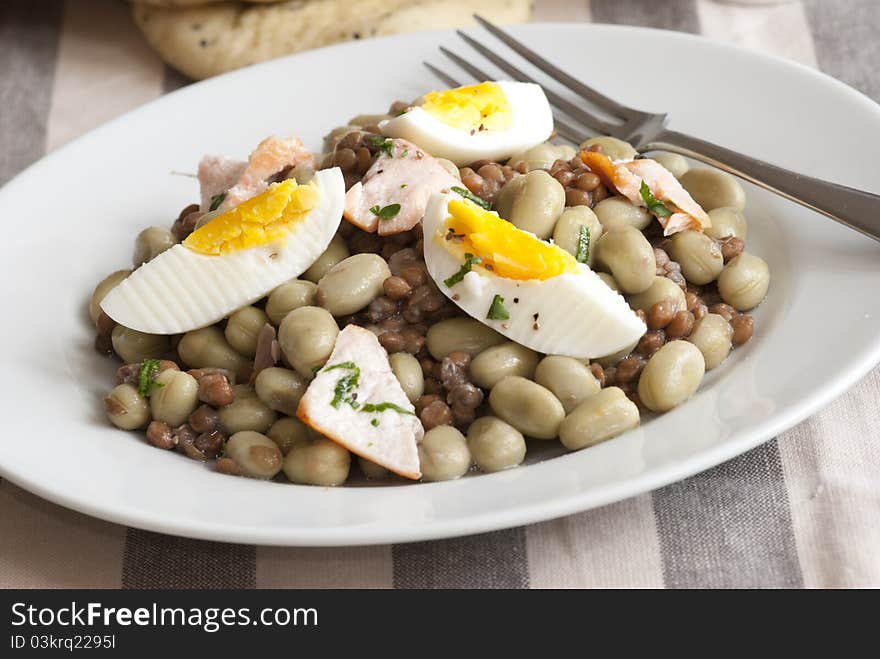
{"x": 71, "y": 218}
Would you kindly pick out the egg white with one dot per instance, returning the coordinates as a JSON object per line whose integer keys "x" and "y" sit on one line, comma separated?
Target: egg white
{"x": 181, "y": 290}
{"x": 531, "y": 123}
{"x": 578, "y": 315}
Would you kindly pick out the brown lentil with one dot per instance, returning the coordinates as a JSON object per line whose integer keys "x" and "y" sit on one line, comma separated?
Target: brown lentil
{"x": 660, "y": 314}
{"x": 210, "y": 443}
{"x": 628, "y": 369}
{"x": 396, "y": 287}
{"x": 414, "y": 275}
{"x": 681, "y": 325}
{"x": 159, "y": 434}
{"x": 578, "y": 197}
{"x": 437, "y": 413}
{"x": 651, "y": 342}
{"x": 215, "y": 390}
{"x": 743, "y": 326}
{"x": 203, "y": 419}
{"x": 724, "y": 310}
{"x": 392, "y": 341}
{"x": 731, "y": 247}
{"x": 598, "y": 373}
{"x": 699, "y": 311}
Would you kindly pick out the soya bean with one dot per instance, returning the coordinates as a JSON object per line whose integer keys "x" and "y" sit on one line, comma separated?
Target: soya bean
{"x": 242, "y": 329}
{"x": 541, "y": 156}
{"x": 612, "y": 359}
{"x": 126, "y": 408}
{"x": 629, "y": 257}
{"x": 612, "y": 147}
{"x": 727, "y": 221}
{"x": 151, "y": 242}
{"x": 352, "y": 284}
{"x": 599, "y": 418}
{"x": 207, "y": 348}
{"x": 408, "y": 372}
{"x": 744, "y": 282}
{"x": 671, "y": 376}
{"x": 246, "y": 412}
{"x": 134, "y": 346}
{"x": 495, "y": 445}
{"x": 105, "y": 286}
{"x": 460, "y": 334}
{"x": 450, "y": 167}
{"x": 673, "y": 162}
{"x": 713, "y": 337}
{"x": 336, "y": 251}
{"x": 571, "y": 381}
{"x": 609, "y": 281}
{"x": 280, "y": 389}
{"x": 289, "y": 296}
{"x": 712, "y": 188}
{"x": 176, "y": 399}
{"x": 443, "y": 454}
{"x": 660, "y": 289}
{"x": 567, "y": 232}
{"x": 494, "y": 363}
{"x": 256, "y": 454}
{"x": 371, "y": 470}
{"x": 527, "y": 406}
{"x": 617, "y": 212}
{"x": 318, "y": 462}
{"x": 307, "y": 336}
{"x": 288, "y": 432}
{"x": 532, "y": 202}
{"x": 699, "y": 256}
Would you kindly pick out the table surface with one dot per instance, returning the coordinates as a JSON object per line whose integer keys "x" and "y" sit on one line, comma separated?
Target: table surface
{"x": 803, "y": 510}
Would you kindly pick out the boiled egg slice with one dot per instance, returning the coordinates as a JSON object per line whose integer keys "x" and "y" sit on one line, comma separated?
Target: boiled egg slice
{"x": 531, "y": 291}
{"x": 491, "y": 121}
{"x": 233, "y": 260}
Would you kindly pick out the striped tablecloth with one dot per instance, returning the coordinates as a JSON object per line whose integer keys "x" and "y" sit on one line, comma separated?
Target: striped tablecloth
{"x": 801, "y": 510}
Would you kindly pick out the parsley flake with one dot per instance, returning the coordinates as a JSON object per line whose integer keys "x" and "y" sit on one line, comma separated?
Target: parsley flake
{"x": 497, "y": 311}
{"x": 384, "y": 144}
{"x": 583, "y": 244}
{"x": 147, "y": 373}
{"x": 470, "y": 196}
{"x": 385, "y": 212}
{"x": 216, "y": 200}
{"x": 469, "y": 262}
{"x": 654, "y": 205}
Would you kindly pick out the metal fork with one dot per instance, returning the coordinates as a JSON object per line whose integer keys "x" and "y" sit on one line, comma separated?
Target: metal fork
{"x": 856, "y": 209}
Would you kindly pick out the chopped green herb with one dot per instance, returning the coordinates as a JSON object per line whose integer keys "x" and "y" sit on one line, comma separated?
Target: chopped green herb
{"x": 385, "y": 212}
{"x": 216, "y": 200}
{"x": 654, "y": 205}
{"x": 344, "y": 392}
{"x": 147, "y": 373}
{"x": 382, "y": 144}
{"x": 346, "y": 385}
{"x": 375, "y": 423}
{"x": 497, "y": 310}
{"x": 469, "y": 261}
{"x": 583, "y": 244}
{"x": 467, "y": 194}
{"x": 381, "y": 407}
{"x": 405, "y": 153}
{"x": 402, "y": 186}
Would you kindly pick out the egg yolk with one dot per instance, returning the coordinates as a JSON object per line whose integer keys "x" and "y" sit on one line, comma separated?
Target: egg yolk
{"x": 472, "y": 108}
{"x": 505, "y": 250}
{"x": 265, "y": 218}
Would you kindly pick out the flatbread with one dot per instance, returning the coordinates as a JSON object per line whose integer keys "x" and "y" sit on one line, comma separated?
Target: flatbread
{"x": 212, "y": 39}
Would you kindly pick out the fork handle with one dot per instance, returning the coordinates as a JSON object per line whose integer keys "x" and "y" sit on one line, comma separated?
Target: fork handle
{"x": 854, "y": 208}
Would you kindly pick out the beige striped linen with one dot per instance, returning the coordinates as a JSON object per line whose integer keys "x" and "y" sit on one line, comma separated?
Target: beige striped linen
{"x": 803, "y": 509}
